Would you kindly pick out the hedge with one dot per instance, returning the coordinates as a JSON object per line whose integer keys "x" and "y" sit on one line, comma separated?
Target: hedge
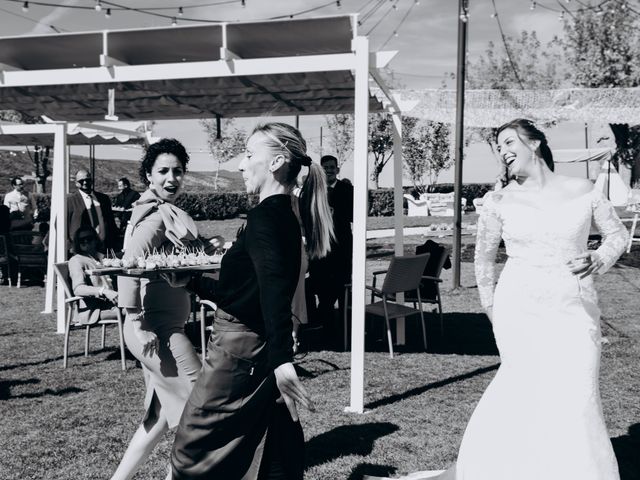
{"x": 224, "y": 205}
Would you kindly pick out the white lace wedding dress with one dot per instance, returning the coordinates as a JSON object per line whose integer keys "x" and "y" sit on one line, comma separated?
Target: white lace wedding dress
{"x": 541, "y": 416}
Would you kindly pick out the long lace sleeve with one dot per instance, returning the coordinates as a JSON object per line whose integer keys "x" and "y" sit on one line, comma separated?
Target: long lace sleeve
{"x": 614, "y": 232}
{"x": 487, "y": 243}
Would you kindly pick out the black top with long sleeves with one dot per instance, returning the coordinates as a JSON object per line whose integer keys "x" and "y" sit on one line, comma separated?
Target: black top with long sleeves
{"x": 259, "y": 274}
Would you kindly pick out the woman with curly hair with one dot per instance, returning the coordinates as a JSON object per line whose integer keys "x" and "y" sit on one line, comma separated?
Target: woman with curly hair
{"x": 156, "y": 312}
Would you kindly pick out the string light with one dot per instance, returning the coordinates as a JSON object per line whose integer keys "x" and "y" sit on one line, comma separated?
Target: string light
{"x": 174, "y": 22}
{"x": 107, "y": 13}
{"x": 243, "y": 3}
{"x": 338, "y": 3}
{"x": 533, "y": 5}
{"x": 417, "y": 2}
{"x": 464, "y": 15}
{"x": 180, "y": 11}
{"x": 561, "y": 16}
{"x": 494, "y": 15}
{"x": 395, "y": 6}
{"x": 98, "y": 6}
{"x": 25, "y": 7}
{"x": 395, "y": 34}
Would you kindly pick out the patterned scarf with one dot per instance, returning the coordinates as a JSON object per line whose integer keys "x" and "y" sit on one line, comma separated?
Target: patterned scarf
{"x": 180, "y": 228}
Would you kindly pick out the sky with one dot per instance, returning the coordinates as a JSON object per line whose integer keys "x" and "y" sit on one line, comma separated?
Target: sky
{"x": 426, "y": 43}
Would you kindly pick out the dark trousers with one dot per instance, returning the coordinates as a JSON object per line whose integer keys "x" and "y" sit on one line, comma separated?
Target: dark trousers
{"x": 327, "y": 281}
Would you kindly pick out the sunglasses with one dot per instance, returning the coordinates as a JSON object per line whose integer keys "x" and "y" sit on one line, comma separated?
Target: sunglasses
{"x": 84, "y": 180}
{"x": 84, "y": 240}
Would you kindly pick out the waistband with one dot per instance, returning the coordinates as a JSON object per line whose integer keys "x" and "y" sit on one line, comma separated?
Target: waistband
{"x": 229, "y": 323}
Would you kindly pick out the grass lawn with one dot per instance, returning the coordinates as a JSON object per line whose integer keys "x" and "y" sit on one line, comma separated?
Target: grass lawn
{"x": 76, "y": 423}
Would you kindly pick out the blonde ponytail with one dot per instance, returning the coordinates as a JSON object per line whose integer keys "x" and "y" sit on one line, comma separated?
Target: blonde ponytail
{"x": 316, "y": 213}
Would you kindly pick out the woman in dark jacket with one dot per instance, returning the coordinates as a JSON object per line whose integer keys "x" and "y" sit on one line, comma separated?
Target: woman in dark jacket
{"x": 240, "y": 421}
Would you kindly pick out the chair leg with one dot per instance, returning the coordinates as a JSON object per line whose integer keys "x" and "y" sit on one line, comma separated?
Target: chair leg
{"x": 104, "y": 334}
{"x": 86, "y": 341}
{"x": 441, "y": 318}
{"x": 19, "y": 278}
{"x": 389, "y": 339}
{"x": 424, "y": 330}
{"x": 121, "y": 335}
{"x": 203, "y": 319}
{"x": 67, "y": 331}
{"x": 631, "y": 233}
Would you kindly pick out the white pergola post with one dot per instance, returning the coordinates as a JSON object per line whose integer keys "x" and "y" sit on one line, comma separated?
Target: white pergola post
{"x": 360, "y": 210}
{"x": 58, "y": 223}
{"x": 397, "y": 207}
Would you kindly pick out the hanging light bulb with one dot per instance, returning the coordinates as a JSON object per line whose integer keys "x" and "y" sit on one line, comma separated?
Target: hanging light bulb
{"x": 180, "y": 11}
{"x": 395, "y": 6}
{"x": 417, "y": 2}
{"x": 107, "y": 13}
{"x": 25, "y": 7}
{"x": 464, "y": 15}
{"x": 533, "y": 5}
{"x": 395, "y": 34}
{"x": 338, "y": 3}
{"x": 561, "y": 16}
{"x": 98, "y": 6}
{"x": 494, "y": 15}
{"x": 174, "y": 22}
{"x": 243, "y": 3}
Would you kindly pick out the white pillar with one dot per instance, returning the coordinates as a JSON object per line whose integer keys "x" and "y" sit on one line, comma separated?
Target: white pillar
{"x": 360, "y": 210}
{"x": 58, "y": 229}
{"x": 397, "y": 206}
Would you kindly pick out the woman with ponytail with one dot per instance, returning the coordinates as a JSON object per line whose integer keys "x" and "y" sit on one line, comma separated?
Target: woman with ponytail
{"x": 241, "y": 419}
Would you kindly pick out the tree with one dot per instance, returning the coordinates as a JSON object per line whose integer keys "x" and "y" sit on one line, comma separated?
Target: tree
{"x": 340, "y": 128}
{"x": 602, "y": 48}
{"x": 224, "y": 143}
{"x": 380, "y": 143}
{"x": 524, "y": 63}
{"x": 425, "y": 150}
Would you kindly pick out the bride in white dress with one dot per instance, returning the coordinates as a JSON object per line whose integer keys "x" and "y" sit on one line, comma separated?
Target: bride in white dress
{"x": 541, "y": 416}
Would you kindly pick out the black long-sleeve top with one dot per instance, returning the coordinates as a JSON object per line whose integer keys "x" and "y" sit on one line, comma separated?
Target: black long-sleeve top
{"x": 259, "y": 274}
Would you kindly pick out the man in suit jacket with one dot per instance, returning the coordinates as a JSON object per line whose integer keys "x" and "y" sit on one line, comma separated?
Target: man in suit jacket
{"x": 328, "y": 275}
{"x": 87, "y": 207}
{"x": 123, "y": 203}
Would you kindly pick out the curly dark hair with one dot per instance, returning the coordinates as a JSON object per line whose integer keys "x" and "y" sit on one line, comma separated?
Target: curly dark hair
{"x": 165, "y": 145}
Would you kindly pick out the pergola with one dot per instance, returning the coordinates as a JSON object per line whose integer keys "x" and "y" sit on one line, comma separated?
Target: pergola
{"x": 75, "y": 134}
{"x": 293, "y": 67}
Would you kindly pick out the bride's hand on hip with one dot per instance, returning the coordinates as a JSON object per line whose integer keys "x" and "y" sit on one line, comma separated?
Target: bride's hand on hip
{"x": 292, "y": 390}
{"x": 585, "y": 264}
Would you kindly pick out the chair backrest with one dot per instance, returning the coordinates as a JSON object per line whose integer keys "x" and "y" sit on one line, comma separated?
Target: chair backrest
{"x": 28, "y": 246}
{"x": 437, "y": 261}
{"x": 404, "y": 273}
{"x": 62, "y": 270}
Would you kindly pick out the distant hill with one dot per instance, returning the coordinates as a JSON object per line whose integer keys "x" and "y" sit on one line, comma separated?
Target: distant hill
{"x": 108, "y": 172}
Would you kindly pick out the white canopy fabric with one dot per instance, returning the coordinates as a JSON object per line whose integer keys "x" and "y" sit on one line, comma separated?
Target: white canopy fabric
{"x": 578, "y": 155}
{"x": 492, "y": 108}
{"x": 77, "y": 134}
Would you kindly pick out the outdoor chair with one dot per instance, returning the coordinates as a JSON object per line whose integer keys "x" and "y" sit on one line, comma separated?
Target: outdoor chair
{"x": 109, "y": 317}
{"x": 633, "y": 206}
{"x": 430, "y": 283}
{"x": 404, "y": 273}
{"x": 6, "y": 259}
{"x": 28, "y": 249}
{"x": 416, "y": 207}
